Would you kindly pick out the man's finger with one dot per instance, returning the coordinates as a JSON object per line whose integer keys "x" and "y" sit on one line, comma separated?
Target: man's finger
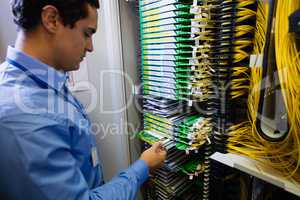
{"x": 157, "y": 145}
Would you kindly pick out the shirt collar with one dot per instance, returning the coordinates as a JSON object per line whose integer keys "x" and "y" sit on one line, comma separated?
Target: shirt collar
{"x": 54, "y": 78}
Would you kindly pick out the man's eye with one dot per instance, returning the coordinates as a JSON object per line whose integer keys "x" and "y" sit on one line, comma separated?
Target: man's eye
{"x": 87, "y": 34}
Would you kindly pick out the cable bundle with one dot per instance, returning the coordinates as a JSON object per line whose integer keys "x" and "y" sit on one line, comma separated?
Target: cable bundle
{"x": 281, "y": 155}
{"x": 236, "y": 30}
{"x": 237, "y": 24}
{"x": 235, "y": 27}
{"x": 204, "y": 55}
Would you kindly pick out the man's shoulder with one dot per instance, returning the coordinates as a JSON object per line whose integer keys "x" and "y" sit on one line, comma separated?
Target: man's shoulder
{"x": 16, "y": 86}
{"x": 29, "y": 103}
{"x": 26, "y": 97}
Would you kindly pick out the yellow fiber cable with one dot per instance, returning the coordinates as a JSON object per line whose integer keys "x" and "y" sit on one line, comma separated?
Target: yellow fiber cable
{"x": 244, "y": 138}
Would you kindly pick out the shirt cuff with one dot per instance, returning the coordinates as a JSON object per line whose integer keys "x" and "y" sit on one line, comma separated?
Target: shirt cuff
{"x": 141, "y": 170}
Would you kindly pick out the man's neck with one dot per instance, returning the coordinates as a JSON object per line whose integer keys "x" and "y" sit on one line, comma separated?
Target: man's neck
{"x": 34, "y": 46}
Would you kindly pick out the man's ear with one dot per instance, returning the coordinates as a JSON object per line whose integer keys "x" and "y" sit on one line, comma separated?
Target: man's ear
{"x": 50, "y": 18}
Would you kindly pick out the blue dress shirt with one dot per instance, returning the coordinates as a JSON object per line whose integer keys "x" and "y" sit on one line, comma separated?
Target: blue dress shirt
{"x": 46, "y": 142}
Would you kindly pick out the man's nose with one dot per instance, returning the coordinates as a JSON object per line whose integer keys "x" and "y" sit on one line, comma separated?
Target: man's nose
{"x": 89, "y": 46}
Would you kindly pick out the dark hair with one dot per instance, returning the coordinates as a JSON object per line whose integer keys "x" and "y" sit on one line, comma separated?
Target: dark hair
{"x": 27, "y": 13}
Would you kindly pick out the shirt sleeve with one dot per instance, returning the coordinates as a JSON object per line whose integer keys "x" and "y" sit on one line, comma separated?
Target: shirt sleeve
{"x": 41, "y": 145}
{"x": 124, "y": 185}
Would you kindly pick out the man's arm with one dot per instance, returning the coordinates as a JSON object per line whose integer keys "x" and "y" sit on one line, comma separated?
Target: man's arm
{"x": 151, "y": 158}
{"x": 49, "y": 167}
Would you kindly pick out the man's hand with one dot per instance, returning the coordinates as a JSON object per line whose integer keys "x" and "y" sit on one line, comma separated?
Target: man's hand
{"x": 154, "y": 156}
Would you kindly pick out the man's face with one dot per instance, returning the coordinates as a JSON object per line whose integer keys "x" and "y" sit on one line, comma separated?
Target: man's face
{"x": 72, "y": 44}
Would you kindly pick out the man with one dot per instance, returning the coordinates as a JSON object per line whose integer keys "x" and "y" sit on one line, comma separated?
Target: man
{"x": 47, "y": 149}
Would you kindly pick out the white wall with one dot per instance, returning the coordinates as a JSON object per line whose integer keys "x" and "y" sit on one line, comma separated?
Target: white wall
{"x": 105, "y": 67}
{"x": 130, "y": 46}
{"x": 7, "y": 28}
